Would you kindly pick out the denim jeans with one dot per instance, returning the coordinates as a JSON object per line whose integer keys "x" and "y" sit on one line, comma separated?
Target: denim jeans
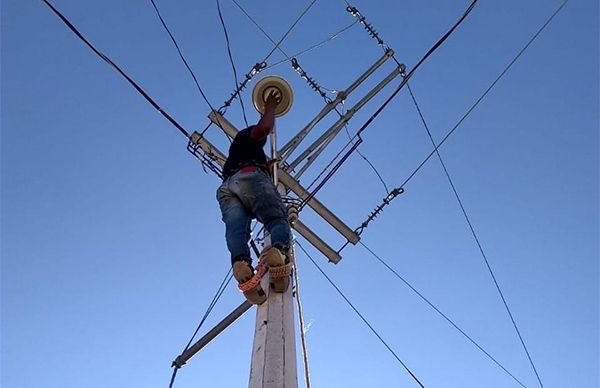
{"x": 247, "y": 195}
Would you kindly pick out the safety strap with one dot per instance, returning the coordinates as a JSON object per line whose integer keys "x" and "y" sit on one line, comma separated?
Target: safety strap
{"x": 278, "y": 272}
{"x": 254, "y": 281}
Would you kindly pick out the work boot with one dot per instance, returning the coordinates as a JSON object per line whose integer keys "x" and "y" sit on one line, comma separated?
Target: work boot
{"x": 279, "y": 270}
{"x": 244, "y": 274}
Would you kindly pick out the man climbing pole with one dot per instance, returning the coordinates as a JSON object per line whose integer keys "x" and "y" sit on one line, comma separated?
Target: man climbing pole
{"x": 248, "y": 192}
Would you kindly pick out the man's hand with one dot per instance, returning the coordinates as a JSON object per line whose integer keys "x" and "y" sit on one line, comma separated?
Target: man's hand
{"x": 267, "y": 121}
{"x": 273, "y": 99}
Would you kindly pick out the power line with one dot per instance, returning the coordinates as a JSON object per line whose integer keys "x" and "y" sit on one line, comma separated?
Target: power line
{"x": 385, "y": 186}
{"x": 387, "y": 101}
{"x": 485, "y": 93}
{"x": 468, "y": 220}
{"x": 365, "y": 321}
{"x": 301, "y": 325}
{"x": 420, "y": 295}
{"x": 314, "y": 46}
{"x": 275, "y": 44}
{"x": 475, "y": 236}
{"x": 435, "y": 150}
{"x": 106, "y": 59}
{"x": 531, "y": 40}
{"x": 224, "y": 283}
{"x": 235, "y": 77}
{"x": 468, "y": 112}
{"x": 414, "y": 69}
{"x": 164, "y": 24}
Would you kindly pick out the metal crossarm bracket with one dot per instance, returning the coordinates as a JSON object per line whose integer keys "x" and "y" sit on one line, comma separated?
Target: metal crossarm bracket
{"x": 315, "y": 149}
{"x": 287, "y": 149}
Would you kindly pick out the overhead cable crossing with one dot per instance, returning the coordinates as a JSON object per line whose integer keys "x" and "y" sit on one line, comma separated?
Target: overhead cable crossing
{"x": 106, "y": 59}
{"x": 404, "y": 81}
{"x": 437, "y": 310}
{"x": 212, "y": 157}
{"x": 316, "y": 45}
{"x": 357, "y": 135}
{"x": 435, "y": 151}
{"x": 294, "y": 61}
{"x": 164, "y": 24}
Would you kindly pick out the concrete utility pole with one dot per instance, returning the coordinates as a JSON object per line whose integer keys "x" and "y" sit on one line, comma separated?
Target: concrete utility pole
{"x": 274, "y": 350}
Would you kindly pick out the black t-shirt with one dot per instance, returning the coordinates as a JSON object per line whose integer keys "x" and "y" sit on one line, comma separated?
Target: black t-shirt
{"x": 244, "y": 151}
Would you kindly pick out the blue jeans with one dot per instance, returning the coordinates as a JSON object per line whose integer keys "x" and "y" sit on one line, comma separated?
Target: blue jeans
{"x": 247, "y": 195}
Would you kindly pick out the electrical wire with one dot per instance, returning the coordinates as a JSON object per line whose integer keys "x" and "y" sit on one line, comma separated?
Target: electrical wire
{"x": 420, "y": 295}
{"x": 470, "y": 224}
{"x": 106, "y": 59}
{"x": 435, "y": 151}
{"x": 365, "y": 321}
{"x": 301, "y": 324}
{"x": 222, "y": 287}
{"x": 485, "y": 93}
{"x": 164, "y": 24}
{"x": 387, "y": 190}
{"x": 324, "y": 170}
{"x": 235, "y": 77}
{"x": 357, "y": 135}
{"x": 473, "y": 233}
{"x": 316, "y": 45}
{"x": 276, "y": 44}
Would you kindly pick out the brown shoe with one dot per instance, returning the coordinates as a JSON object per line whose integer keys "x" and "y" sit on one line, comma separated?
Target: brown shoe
{"x": 279, "y": 271}
{"x": 248, "y": 284}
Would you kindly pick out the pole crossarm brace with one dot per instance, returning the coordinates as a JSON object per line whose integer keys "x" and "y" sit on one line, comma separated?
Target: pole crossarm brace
{"x": 315, "y": 149}
{"x": 290, "y": 184}
{"x": 215, "y": 331}
{"x": 288, "y": 148}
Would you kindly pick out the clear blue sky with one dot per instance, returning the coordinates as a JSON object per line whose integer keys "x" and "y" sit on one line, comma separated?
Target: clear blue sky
{"x": 112, "y": 244}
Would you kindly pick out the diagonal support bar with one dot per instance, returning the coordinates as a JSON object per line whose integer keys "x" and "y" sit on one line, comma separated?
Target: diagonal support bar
{"x": 287, "y": 149}
{"x": 215, "y": 331}
{"x": 315, "y": 149}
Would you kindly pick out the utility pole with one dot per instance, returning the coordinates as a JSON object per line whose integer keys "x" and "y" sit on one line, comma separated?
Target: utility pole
{"x": 273, "y": 362}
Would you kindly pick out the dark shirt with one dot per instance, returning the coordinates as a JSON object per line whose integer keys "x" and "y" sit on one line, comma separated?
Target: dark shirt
{"x": 243, "y": 152}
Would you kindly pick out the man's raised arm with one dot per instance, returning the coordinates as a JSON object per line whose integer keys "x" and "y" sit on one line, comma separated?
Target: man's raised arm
{"x": 267, "y": 121}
